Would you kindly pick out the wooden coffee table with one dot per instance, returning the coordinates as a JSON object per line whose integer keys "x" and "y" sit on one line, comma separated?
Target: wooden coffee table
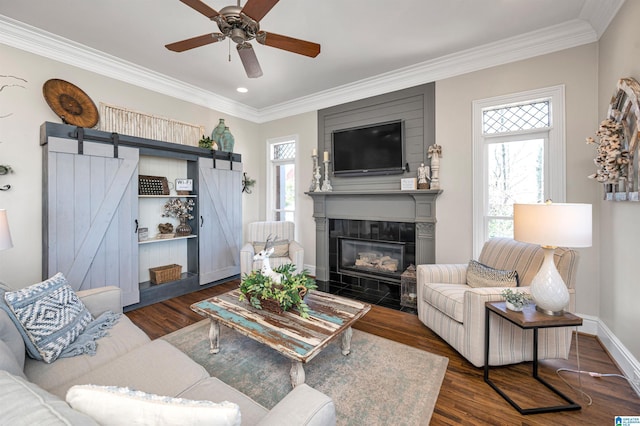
{"x": 299, "y": 339}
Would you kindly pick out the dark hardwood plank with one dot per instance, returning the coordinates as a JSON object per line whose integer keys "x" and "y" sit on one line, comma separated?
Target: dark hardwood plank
{"x": 465, "y": 399}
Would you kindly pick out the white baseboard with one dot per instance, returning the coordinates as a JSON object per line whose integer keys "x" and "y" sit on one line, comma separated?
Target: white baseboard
{"x": 590, "y": 324}
{"x": 311, "y": 269}
{"x": 626, "y": 361}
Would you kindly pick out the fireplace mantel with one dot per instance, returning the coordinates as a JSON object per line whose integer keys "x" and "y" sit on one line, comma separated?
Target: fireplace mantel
{"x": 418, "y": 206}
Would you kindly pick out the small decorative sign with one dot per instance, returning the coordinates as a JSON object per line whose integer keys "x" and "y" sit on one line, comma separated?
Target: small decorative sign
{"x": 143, "y": 234}
{"x": 184, "y": 184}
{"x": 409, "y": 184}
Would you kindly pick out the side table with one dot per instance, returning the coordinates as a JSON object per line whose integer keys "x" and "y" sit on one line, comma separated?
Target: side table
{"x": 529, "y": 318}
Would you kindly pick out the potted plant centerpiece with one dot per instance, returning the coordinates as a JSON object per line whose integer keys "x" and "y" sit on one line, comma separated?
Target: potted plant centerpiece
{"x": 515, "y": 300}
{"x": 264, "y": 292}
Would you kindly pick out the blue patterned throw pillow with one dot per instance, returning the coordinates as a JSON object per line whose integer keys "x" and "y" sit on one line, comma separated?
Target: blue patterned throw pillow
{"x": 49, "y": 315}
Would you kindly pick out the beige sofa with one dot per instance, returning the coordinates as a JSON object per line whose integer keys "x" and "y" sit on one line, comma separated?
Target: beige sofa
{"x": 33, "y": 392}
{"x": 456, "y": 312}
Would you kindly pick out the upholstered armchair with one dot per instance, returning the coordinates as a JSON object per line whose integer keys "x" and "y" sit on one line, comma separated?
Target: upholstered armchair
{"x": 287, "y": 250}
{"x": 456, "y": 311}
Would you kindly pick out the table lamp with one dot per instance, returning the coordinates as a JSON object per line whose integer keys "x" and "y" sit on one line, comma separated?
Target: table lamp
{"x": 5, "y": 234}
{"x": 552, "y": 225}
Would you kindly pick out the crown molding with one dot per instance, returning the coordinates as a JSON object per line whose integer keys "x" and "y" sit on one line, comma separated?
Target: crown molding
{"x": 34, "y": 40}
{"x": 535, "y": 43}
{"x": 525, "y": 46}
{"x": 600, "y": 13}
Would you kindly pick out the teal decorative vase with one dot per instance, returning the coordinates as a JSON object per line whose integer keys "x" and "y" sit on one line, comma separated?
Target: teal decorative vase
{"x": 216, "y": 135}
{"x": 226, "y": 141}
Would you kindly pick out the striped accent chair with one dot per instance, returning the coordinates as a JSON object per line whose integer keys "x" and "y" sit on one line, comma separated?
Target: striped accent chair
{"x": 259, "y": 232}
{"x": 456, "y": 312}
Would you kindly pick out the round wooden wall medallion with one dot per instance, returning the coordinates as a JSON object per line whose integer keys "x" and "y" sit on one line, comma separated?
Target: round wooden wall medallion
{"x": 70, "y": 103}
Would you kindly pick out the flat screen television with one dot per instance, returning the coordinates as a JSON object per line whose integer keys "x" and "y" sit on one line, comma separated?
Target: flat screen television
{"x": 369, "y": 150}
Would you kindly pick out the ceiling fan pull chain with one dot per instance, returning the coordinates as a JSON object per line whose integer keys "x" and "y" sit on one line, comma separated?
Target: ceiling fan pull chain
{"x": 229, "y": 50}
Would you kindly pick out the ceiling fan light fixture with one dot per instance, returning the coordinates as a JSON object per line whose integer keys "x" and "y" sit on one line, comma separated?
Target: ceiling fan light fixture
{"x": 238, "y": 35}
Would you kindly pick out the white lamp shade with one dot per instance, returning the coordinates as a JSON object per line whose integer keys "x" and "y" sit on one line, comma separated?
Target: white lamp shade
{"x": 553, "y": 224}
{"x": 5, "y": 234}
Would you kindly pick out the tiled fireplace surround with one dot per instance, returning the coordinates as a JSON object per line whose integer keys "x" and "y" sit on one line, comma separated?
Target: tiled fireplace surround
{"x": 407, "y": 217}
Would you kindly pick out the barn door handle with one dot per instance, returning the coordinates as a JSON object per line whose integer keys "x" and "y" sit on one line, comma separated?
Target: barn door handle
{"x": 201, "y": 221}
{"x": 136, "y": 231}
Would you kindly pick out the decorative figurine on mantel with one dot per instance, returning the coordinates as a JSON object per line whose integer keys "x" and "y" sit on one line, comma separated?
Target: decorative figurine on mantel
{"x": 434, "y": 153}
{"x": 423, "y": 176}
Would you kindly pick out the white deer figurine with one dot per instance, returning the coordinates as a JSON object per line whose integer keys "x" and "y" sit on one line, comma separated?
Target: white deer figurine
{"x": 264, "y": 256}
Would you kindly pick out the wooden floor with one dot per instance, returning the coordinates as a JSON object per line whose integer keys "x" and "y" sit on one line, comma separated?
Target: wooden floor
{"x": 465, "y": 399}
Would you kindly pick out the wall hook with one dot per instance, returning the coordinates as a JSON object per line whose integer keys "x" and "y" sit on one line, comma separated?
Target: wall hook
{"x": 4, "y": 169}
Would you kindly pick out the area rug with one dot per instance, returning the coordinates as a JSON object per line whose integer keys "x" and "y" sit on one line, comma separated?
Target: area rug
{"x": 380, "y": 383}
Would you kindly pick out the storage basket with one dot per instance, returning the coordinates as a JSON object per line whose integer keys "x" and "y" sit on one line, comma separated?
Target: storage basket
{"x": 164, "y": 274}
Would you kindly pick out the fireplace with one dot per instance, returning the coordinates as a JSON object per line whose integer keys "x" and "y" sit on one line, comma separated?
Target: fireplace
{"x": 368, "y": 257}
{"x": 396, "y": 218}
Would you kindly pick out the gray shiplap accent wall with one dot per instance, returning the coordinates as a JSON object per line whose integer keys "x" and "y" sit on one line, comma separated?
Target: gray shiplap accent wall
{"x": 415, "y": 106}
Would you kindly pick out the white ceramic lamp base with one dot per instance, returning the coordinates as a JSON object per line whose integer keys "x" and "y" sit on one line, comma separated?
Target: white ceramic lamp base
{"x": 548, "y": 289}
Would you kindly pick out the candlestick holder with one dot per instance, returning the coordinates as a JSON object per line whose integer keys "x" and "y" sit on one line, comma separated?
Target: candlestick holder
{"x": 315, "y": 176}
{"x": 326, "y": 185}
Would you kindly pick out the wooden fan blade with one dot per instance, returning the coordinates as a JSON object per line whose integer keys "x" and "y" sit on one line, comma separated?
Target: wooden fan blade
{"x": 249, "y": 60}
{"x": 201, "y": 7}
{"x": 191, "y": 43}
{"x": 290, "y": 44}
{"x": 256, "y": 9}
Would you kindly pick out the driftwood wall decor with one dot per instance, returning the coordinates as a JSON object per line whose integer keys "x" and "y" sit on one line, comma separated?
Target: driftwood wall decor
{"x": 132, "y": 123}
{"x": 618, "y": 149}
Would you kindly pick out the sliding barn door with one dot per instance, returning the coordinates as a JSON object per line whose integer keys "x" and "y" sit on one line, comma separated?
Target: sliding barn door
{"x": 90, "y": 207}
{"x": 220, "y": 198}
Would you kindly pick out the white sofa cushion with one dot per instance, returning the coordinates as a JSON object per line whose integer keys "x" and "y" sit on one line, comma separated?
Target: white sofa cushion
{"x": 11, "y": 338}
{"x": 25, "y": 404}
{"x": 157, "y": 367}
{"x": 252, "y": 412}
{"x": 122, "y": 338}
{"x": 8, "y": 361}
{"x": 115, "y": 406}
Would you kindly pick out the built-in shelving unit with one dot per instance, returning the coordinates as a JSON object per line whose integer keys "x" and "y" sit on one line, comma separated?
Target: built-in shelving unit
{"x": 92, "y": 212}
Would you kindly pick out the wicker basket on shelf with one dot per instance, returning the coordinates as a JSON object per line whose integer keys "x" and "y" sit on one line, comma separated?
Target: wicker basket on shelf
{"x": 166, "y": 273}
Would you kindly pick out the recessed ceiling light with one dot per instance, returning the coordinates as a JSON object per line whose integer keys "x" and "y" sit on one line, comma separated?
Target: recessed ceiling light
{"x": 242, "y": 89}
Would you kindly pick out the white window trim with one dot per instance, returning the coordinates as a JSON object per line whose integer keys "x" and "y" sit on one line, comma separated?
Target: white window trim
{"x": 270, "y": 177}
{"x": 555, "y": 157}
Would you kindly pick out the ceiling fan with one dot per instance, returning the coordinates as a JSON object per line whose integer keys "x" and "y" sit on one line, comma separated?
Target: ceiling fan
{"x": 242, "y": 25}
